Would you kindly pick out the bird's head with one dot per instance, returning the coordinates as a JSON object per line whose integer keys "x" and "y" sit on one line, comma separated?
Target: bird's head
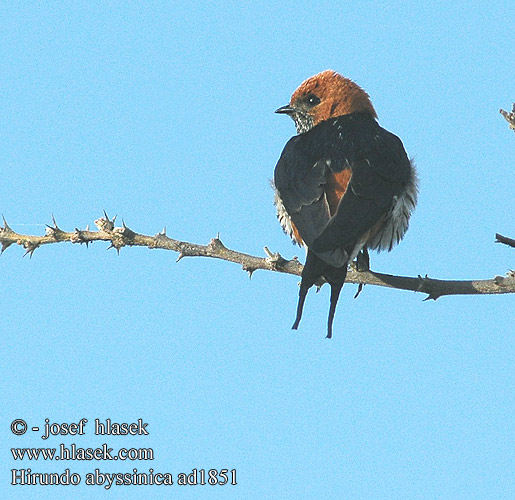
{"x": 323, "y": 96}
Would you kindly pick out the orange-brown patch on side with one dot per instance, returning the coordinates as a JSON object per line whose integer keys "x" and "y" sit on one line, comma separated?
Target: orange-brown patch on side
{"x": 296, "y": 235}
{"x": 336, "y": 187}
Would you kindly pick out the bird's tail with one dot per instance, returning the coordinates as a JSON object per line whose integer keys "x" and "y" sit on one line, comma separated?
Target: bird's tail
{"x": 314, "y": 269}
{"x": 335, "y": 294}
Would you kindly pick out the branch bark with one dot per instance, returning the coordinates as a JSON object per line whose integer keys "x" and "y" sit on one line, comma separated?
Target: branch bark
{"x": 499, "y": 238}
{"x": 509, "y": 117}
{"x": 122, "y": 236}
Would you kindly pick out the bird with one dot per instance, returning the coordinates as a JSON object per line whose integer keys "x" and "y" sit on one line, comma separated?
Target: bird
{"x": 343, "y": 184}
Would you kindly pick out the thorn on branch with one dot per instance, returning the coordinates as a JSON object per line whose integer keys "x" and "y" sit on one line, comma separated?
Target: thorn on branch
{"x": 116, "y": 246}
{"x": 30, "y": 248}
{"x": 78, "y": 237}
{"x": 159, "y": 239}
{"x": 249, "y": 269}
{"x": 162, "y": 235}
{"x": 216, "y": 245}
{"x": 127, "y": 235}
{"x": 275, "y": 260}
{"x": 105, "y": 224}
{"x": 5, "y": 246}
{"x": 421, "y": 282}
{"x": 54, "y": 230}
{"x": 6, "y": 229}
{"x": 424, "y": 286}
{"x": 183, "y": 252}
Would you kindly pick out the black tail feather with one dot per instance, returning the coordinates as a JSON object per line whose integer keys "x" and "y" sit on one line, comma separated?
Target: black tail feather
{"x": 335, "y": 276}
{"x": 314, "y": 269}
{"x": 300, "y": 305}
{"x": 335, "y": 293}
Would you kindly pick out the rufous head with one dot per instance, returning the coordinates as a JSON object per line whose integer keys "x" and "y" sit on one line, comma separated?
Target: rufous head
{"x": 323, "y": 96}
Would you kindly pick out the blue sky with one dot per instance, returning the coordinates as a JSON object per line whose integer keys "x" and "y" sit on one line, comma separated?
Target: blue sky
{"x": 162, "y": 113}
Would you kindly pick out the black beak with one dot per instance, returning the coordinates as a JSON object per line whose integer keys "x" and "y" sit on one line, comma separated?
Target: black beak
{"x": 287, "y": 110}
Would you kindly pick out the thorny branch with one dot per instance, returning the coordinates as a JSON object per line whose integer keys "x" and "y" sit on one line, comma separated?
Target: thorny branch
{"x": 122, "y": 236}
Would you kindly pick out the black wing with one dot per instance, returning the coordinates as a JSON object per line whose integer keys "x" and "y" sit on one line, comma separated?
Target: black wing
{"x": 380, "y": 169}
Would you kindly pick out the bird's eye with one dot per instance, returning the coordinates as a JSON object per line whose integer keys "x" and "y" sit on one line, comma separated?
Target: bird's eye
{"x": 312, "y": 100}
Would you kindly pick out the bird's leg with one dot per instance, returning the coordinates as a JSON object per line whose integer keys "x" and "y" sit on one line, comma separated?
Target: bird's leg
{"x": 363, "y": 260}
{"x": 362, "y": 265}
{"x": 335, "y": 294}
